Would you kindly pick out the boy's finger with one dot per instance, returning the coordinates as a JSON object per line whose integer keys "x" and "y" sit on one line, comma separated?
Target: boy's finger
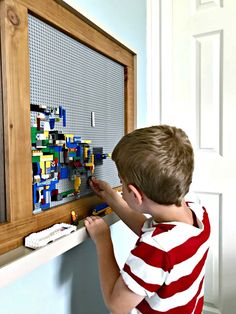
{"x": 86, "y": 223}
{"x": 93, "y": 182}
{"x": 89, "y": 220}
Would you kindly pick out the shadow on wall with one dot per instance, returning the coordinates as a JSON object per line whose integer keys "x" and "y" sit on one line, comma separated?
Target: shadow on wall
{"x": 79, "y": 265}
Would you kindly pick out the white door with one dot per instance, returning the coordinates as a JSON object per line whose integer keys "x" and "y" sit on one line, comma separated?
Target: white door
{"x": 197, "y": 91}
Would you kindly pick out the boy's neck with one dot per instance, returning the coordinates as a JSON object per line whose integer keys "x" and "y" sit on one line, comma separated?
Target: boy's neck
{"x": 168, "y": 213}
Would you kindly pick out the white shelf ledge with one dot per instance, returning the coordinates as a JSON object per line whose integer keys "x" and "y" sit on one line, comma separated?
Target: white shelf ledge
{"x": 20, "y": 261}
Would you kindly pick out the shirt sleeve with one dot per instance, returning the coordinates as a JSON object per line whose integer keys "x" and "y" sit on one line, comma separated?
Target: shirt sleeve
{"x": 145, "y": 269}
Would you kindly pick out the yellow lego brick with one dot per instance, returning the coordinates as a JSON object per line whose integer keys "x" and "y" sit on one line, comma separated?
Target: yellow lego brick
{"x": 71, "y": 136}
{"x": 77, "y": 184}
{"x": 37, "y": 153}
{"x": 46, "y": 158}
{"x": 86, "y": 141}
{"x": 46, "y": 133}
{"x": 86, "y": 152}
{"x": 89, "y": 164}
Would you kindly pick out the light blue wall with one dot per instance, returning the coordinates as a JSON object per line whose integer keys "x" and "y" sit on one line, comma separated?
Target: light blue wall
{"x": 69, "y": 283}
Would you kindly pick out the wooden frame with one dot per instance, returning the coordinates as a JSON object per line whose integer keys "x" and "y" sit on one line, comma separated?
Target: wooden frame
{"x": 16, "y": 108}
{"x": 2, "y": 176}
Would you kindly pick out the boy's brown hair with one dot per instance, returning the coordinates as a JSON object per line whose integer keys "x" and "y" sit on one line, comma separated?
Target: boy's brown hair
{"x": 158, "y": 160}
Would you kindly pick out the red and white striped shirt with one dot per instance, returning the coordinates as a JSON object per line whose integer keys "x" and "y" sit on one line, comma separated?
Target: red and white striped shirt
{"x": 167, "y": 266}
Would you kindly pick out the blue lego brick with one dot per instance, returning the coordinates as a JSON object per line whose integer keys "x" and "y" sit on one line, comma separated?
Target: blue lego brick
{"x": 100, "y": 207}
{"x": 45, "y": 206}
{"x": 71, "y": 145}
{"x": 64, "y": 173}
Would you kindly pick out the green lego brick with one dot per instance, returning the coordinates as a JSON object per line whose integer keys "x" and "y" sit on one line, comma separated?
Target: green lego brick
{"x": 64, "y": 194}
{"x": 35, "y": 159}
{"x": 55, "y": 154}
{"x": 34, "y": 132}
{"x": 46, "y": 150}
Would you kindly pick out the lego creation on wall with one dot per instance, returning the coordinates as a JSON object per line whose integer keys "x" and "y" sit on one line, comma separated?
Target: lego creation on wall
{"x": 58, "y": 157}
{"x": 77, "y": 115}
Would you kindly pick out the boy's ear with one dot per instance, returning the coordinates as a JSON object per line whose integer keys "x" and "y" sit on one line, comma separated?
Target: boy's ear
{"x": 137, "y": 194}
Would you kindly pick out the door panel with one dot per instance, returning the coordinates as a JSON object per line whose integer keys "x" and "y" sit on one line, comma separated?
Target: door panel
{"x": 198, "y": 71}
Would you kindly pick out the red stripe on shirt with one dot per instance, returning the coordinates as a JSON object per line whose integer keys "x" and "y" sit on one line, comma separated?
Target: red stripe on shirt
{"x": 188, "y": 308}
{"x": 154, "y": 256}
{"x": 167, "y": 291}
{"x": 160, "y": 228}
{"x": 199, "y": 306}
{"x": 143, "y": 284}
{"x": 187, "y": 249}
{"x": 184, "y": 282}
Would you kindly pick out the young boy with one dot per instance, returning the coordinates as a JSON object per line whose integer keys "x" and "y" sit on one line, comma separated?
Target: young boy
{"x": 164, "y": 273}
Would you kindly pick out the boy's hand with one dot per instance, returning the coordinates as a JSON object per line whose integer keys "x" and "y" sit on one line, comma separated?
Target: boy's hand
{"x": 103, "y": 189}
{"x": 97, "y": 229}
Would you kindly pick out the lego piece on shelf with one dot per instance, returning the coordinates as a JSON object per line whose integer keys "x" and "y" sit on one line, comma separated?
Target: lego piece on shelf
{"x": 74, "y": 218}
{"x": 39, "y": 239}
{"x": 101, "y": 209}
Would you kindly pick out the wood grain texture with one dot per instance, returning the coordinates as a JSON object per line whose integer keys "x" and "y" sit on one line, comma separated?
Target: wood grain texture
{"x": 16, "y": 95}
{"x": 2, "y": 168}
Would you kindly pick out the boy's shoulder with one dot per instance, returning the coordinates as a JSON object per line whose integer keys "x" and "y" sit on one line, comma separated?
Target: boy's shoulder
{"x": 168, "y": 235}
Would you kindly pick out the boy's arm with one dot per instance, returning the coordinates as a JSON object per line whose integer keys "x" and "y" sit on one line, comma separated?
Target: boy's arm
{"x": 118, "y": 297}
{"x": 134, "y": 220}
